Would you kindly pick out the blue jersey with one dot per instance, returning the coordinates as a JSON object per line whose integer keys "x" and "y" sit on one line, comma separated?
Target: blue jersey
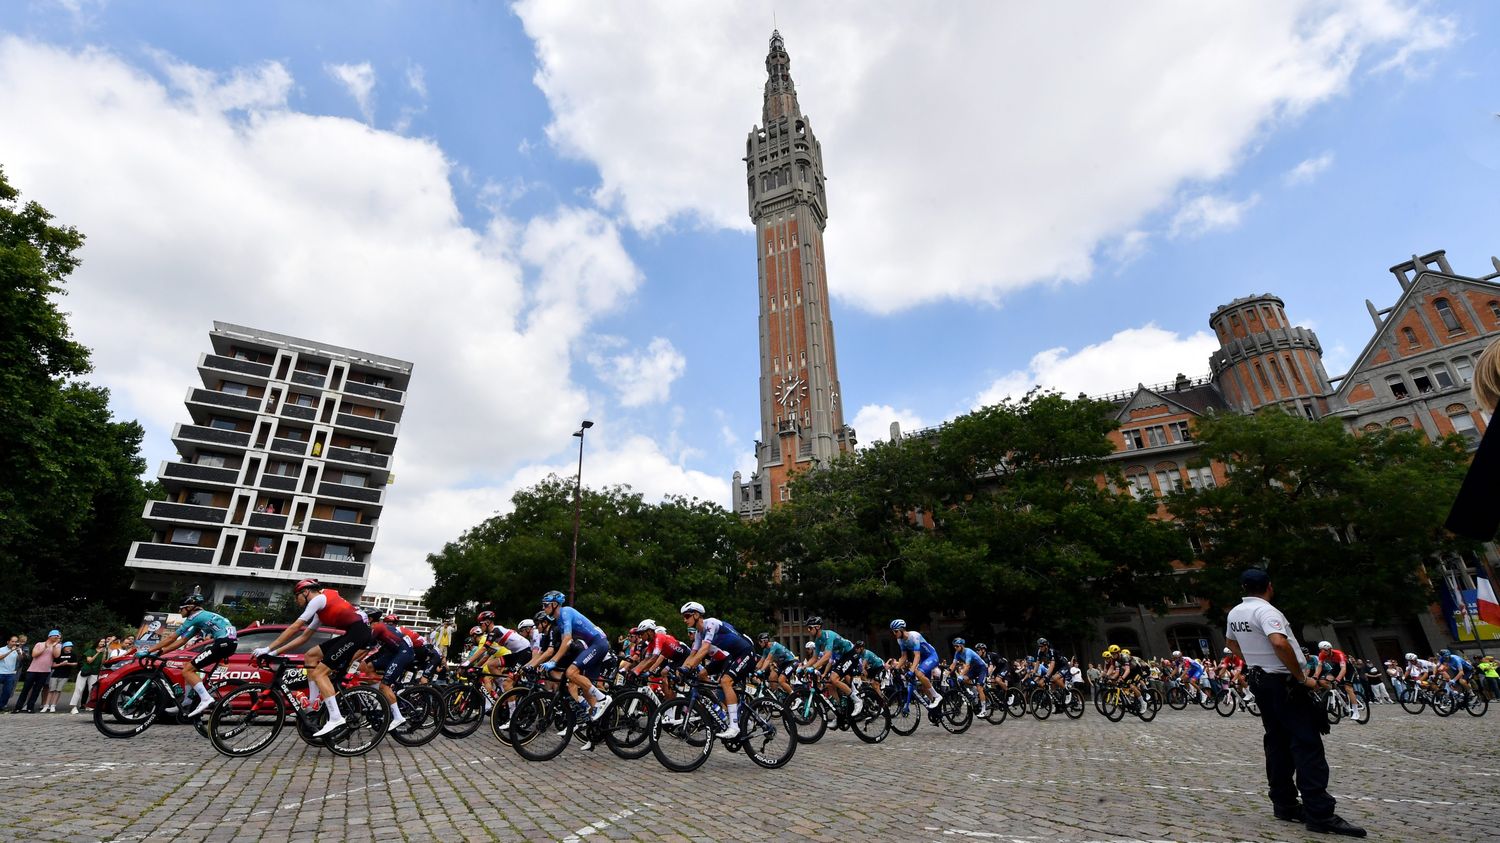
{"x": 913, "y": 642}
{"x": 722, "y": 636}
{"x": 204, "y": 622}
{"x": 570, "y": 621}
{"x": 830, "y": 641}
{"x": 968, "y": 657}
{"x": 779, "y": 654}
{"x": 1455, "y": 663}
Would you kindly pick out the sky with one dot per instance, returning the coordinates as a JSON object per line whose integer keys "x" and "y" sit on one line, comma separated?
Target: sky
{"x": 542, "y": 205}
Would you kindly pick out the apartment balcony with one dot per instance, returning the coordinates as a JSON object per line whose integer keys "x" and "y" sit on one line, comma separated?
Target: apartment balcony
{"x": 142, "y": 554}
{"x": 251, "y": 559}
{"x": 296, "y": 411}
{"x": 341, "y": 566}
{"x": 279, "y": 482}
{"x": 297, "y": 447}
{"x": 221, "y": 363}
{"x": 225, "y": 399}
{"x": 198, "y": 433}
{"x": 198, "y": 473}
{"x": 363, "y": 494}
{"x": 379, "y": 393}
{"x": 185, "y": 512}
{"x": 267, "y": 521}
{"x": 384, "y": 428}
{"x": 341, "y": 529}
{"x": 310, "y": 379}
{"x": 365, "y": 458}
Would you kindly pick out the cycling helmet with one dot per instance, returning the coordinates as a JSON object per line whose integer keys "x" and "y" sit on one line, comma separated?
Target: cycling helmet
{"x": 476, "y": 631}
{"x": 1041, "y": 642}
{"x": 898, "y": 625}
{"x": 1411, "y": 657}
{"x": 958, "y": 642}
{"x": 808, "y": 646}
{"x": 1228, "y": 651}
{"x": 1031, "y": 659}
{"x": 526, "y": 624}
{"x": 1445, "y": 652}
{"x": 486, "y": 616}
{"x": 859, "y": 645}
{"x": 764, "y": 636}
{"x": 815, "y": 620}
{"x": 1176, "y": 654}
{"x": 646, "y": 625}
{"x": 391, "y": 617}
{"x": 1324, "y": 645}
{"x": 691, "y": 606}
{"x": 554, "y": 597}
{"x": 1106, "y": 655}
{"x": 980, "y": 646}
{"x": 541, "y": 617}
{"x": 194, "y": 599}
{"x": 1124, "y": 654}
{"x": 1112, "y": 649}
{"x": 304, "y": 584}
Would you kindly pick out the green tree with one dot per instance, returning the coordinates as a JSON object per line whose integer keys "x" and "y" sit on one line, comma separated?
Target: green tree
{"x": 635, "y": 560}
{"x": 70, "y": 493}
{"x": 999, "y": 514}
{"x": 1343, "y": 523}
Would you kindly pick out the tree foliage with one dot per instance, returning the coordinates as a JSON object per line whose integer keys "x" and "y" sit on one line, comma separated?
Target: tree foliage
{"x": 635, "y": 560}
{"x": 999, "y": 514}
{"x": 70, "y": 493}
{"x": 1343, "y": 523}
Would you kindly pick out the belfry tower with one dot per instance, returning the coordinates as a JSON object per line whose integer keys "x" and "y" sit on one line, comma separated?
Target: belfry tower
{"x": 801, "y": 409}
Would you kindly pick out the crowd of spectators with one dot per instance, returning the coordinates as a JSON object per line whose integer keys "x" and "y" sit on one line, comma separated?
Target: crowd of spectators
{"x": 43, "y": 671}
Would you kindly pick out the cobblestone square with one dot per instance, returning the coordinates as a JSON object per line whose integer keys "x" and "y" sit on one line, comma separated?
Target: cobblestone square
{"x": 1188, "y": 776}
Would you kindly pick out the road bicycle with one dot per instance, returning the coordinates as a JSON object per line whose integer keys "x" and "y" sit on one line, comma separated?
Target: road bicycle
{"x": 1453, "y": 698}
{"x": 1046, "y": 698}
{"x": 248, "y": 719}
{"x": 133, "y": 703}
{"x": 546, "y": 720}
{"x": 683, "y": 729}
{"x": 1336, "y": 706}
{"x": 1115, "y": 702}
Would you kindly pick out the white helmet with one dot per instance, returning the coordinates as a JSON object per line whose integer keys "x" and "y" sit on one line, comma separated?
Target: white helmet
{"x": 1228, "y": 651}
{"x": 526, "y": 624}
{"x": 808, "y": 646}
{"x": 691, "y": 606}
{"x": 646, "y": 625}
{"x": 1411, "y": 657}
{"x": 1176, "y": 654}
{"x": 1324, "y": 645}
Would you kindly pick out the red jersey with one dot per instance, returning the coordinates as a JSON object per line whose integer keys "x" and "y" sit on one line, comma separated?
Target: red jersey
{"x": 665, "y": 645}
{"x": 329, "y": 609}
{"x": 416, "y": 640}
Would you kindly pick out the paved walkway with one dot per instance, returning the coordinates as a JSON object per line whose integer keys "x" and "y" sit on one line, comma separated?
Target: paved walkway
{"x": 1188, "y": 776}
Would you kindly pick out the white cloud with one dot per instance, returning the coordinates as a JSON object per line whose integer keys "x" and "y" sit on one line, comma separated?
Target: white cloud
{"x": 963, "y": 147}
{"x": 1308, "y": 170}
{"x": 213, "y": 200}
{"x": 642, "y": 377}
{"x": 1146, "y": 355}
{"x": 359, "y": 81}
{"x": 1208, "y": 213}
{"x": 873, "y": 422}
{"x": 1131, "y": 245}
{"x": 416, "y": 80}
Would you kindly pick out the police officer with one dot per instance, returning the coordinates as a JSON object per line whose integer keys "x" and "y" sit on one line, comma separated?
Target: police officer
{"x": 1261, "y": 635}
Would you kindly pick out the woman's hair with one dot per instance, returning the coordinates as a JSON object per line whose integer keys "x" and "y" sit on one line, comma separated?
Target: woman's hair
{"x": 1487, "y": 378}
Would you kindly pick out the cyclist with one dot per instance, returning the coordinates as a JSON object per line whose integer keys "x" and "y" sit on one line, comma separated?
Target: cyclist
{"x": 391, "y": 654}
{"x": 1191, "y": 671}
{"x": 1335, "y": 666}
{"x": 971, "y": 668}
{"x": 871, "y": 668}
{"x": 776, "y": 662}
{"x": 1456, "y": 667}
{"x": 510, "y": 650}
{"x": 527, "y": 628}
{"x": 331, "y": 658}
{"x": 1132, "y": 672}
{"x": 917, "y": 656}
{"x": 999, "y": 667}
{"x": 585, "y": 667}
{"x": 832, "y": 652}
{"x": 199, "y": 621}
{"x": 1052, "y": 663}
{"x": 711, "y": 635}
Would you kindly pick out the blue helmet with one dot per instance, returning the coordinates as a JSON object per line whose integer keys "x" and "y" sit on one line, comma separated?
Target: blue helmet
{"x": 554, "y": 597}
{"x": 958, "y": 642}
{"x": 1445, "y": 652}
{"x": 897, "y": 625}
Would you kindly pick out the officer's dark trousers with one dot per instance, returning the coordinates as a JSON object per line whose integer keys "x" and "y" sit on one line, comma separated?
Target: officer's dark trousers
{"x": 1294, "y": 745}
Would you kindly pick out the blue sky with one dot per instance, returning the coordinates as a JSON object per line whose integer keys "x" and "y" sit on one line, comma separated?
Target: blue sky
{"x": 1003, "y": 185}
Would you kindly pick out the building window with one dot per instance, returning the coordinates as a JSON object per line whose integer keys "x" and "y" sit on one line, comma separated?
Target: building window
{"x": 1400, "y": 423}
{"x": 1441, "y": 377}
{"x": 210, "y": 459}
{"x": 349, "y": 478}
{"x": 1450, "y": 319}
{"x": 340, "y": 552}
{"x": 222, "y": 423}
{"x": 1372, "y": 427}
{"x": 284, "y": 469}
{"x": 183, "y": 535}
{"x": 1411, "y": 337}
{"x": 345, "y": 514}
{"x": 1397, "y": 385}
{"x": 1420, "y": 380}
{"x": 199, "y": 498}
{"x": 1495, "y": 309}
{"x": 265, "y": 544}
{"x": 1168, "y": 481}
{"x": 304, "y": 400}
{"x": 234, "y": 388}
{"x": 1307, "y": 410}
{"x": 1296, "y": 373}
{"x": 1201, "y": 478}
{"x": 1261, "y": 373}
{"x": 1463, "y": 424}
{"x": 1182, "y": 431}
{"x": 1156, "y": 436}
{"x": 1133, "y": 440}
{"x": 1276, "y": 368}
{"x": 1465, "y": 369}
{"x": 1140, "y": 486}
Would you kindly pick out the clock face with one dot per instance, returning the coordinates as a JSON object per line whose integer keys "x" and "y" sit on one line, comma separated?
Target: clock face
{"x": 788, "y": 390}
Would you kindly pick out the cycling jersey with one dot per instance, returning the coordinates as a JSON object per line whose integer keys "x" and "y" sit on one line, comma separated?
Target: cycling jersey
{"x": 388, "y": 638}
{"x": 1192, "y": 668}
{"x": 1456, "y": 664}
{"x": 669, "y": 647}
{"x": 970, "y": 658}
{"x": 1418, "y": 667}
{"x": 327, "y": 607}
{"x": 924, "y": 656}
{"x": 570, "y": 621}
{"x": 779, "y": 654}
{"x": 829, "y": 641}
{"x": 506, "y": 639}
{"x": 872, "y": 661}
{"x": 722, "y": 637}
{"x": 417, "y": 639}
{"x": 204, "y": 622}
{"x": 1045, "y": 656}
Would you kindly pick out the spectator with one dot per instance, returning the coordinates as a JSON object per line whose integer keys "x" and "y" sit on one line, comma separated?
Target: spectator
{"x": 1489, "y": 672}
{"x": 63, "y": 670}
{"x": 88, "y": 673}
{"x": 1375, "y": 682}
{"x": 10, "y": 664}
{"x": 1095, "y": 676}
{"x": 122, "y": 647}
{"x": 1393, "y": 671}
{"x": 42, "y": 656}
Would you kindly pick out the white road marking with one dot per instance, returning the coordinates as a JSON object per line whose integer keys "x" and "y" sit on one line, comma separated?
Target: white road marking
{"x": 599, "y": 825}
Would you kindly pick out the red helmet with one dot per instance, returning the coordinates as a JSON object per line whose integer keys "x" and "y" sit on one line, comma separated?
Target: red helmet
{"x": 476, "y": 631}
{"x": 486, "y": 616}
{"x": 306, "y": 584}
{"x": 391, "y": 617}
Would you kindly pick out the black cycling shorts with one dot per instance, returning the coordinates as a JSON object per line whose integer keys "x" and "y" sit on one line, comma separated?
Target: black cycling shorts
{"x": 564, "y": 661}
{"x": 218, "y": 650}
{"x": 339, "y": 651}
{"x": 847, "y": 664}
{"x": 515, "y": 660}
{"x": 392, "y": 664}
{"x": 737, "y": 667}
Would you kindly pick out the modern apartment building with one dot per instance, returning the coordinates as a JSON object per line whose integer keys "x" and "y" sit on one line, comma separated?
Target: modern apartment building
{"x": 282, "y": 469}
{"x": 408, "y": 607}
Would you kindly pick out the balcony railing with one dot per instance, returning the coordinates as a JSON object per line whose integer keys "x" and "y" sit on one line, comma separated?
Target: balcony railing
{"x": 309, "y": 379}
{"x": 200, "y": 433}
{"x": 268, "y": 521}
{"x": 225, "y": 399}
{"x": 364, "y": 423}
{"x": 342, "y": 529}
{"x": 175, "y": 553}
{"x": 234, "y": 364}
{"x": 251, "y": 559}
{"x": 279, "y": 482}
{"x": 357, "y": 457}
{"x": 205, "y": 473}
{"x": 186, "y": 512}
{"x": 296, "y": 411}
{"x": 289, "y": 446}
{"x": 336, "y": 567}
{"x": 353, "y": 493}
{"x": 370, "y": 390}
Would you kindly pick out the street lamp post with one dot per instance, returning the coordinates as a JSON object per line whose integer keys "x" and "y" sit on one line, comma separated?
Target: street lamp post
{"x": 577, "y": 506}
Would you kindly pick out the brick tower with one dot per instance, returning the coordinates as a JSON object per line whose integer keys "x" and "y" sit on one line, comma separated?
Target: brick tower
{"x": 801, "y": 410}
{"x": 1263, "y": 359}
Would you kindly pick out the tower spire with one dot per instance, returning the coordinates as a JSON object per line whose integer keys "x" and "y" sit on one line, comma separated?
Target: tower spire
{"x": 781, "y": 94}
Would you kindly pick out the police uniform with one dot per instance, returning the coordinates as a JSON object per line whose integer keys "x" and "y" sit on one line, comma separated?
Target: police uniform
{"x": 1294, "y": 724}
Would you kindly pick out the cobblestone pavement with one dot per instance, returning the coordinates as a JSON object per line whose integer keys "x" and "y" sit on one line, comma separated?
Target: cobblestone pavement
{"x": 1188, "y": 776}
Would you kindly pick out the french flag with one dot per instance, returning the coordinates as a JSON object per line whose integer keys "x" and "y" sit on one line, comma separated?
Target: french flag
{"x": 1489, "y": 608}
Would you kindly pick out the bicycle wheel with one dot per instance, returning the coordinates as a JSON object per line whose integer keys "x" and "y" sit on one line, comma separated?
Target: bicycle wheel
{"x": 768, "y": 738}
{"x": 1177, "y": 697}
{"x": 1225, "y": 703}
{"x": 1205, "y": 699}
{"x": 1477, "y": 705}
{"x": 422, "y": 706}
{"x": 1361, "y": 713}
{"x": 542, "y": 726}
{"x": 366, "y": 717}
{"x": 955, "y": 713}
{"x": 463, "y": 710}
{"x": 627, "y": 724}
{"x": 683, "y": 738}
{"x": 1332, "y": 708}
{"x": 246, "y": 721}
{"x": 1112, "y": 708}
{"x": 1444, "y": 704}
{"x": 996, "y": 713}
{"x": 1040, "y": 703}
{"x": 1015, "y": 702}
{"x": 1251, "y": 704}
{"x": 906, "y": 713}
{"x": 1412, "y": 701}
{"x": 1151, "y": 698}
{"x": 501, "y": 711}
{"x": 1073, "y": 705}
{"x": 807, "y": 714}
{"x": 874, "y": 721}
{"x": 1144, "y": 709}
{"x": 128, "y": 707}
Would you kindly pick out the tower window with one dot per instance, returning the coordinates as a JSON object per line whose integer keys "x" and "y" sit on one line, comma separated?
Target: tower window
{"x": 1411, "y": 337}
{"x": 1296, "y": 373}
{"x": 1264, "y": 381}
{"x": 1450, "y": 319}
{"x": 1280, "y": 378}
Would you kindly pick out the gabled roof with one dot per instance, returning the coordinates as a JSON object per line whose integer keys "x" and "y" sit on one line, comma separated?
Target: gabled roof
{"x": 1196, "y": 400}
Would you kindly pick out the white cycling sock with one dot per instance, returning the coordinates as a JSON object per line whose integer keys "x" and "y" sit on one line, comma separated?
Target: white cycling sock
{"x": 202, "y": 690}
{"x": 313, "y": 694}
{"x": 395, "y": 710}
{"x": 734, "y": 714}
{"x": 597, "y": 694}
{"x": 333, "y": 709}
